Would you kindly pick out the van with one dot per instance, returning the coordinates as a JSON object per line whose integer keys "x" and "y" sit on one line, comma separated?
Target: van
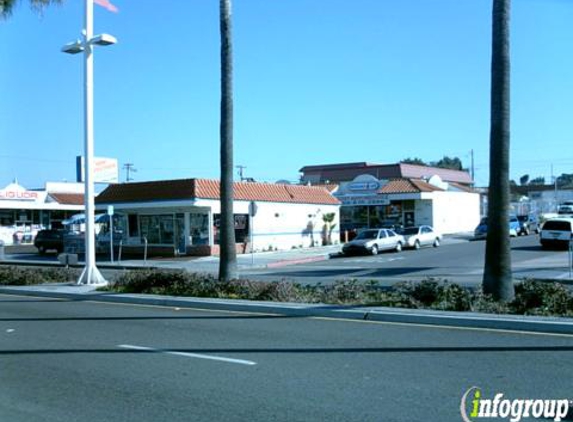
{"x": 556, "y": 232}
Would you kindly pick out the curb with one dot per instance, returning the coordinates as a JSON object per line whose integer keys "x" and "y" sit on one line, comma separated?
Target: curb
{"x": 546, "y": 325}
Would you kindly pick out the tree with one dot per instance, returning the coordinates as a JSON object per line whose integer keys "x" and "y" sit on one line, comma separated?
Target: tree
{"x": 524, "y": 180}
{"x": 228, "y": 254}
{"x": 537, "y": 181}
{"x": 565, "y": 180}
{"x": 497, "y": 277}
{"x": 7, "y": 6}
{"x": 417, "y": 161}
{"x": 453, "y": 163}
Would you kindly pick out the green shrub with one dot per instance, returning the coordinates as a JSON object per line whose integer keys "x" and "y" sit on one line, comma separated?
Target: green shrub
{"x": 11, "y": 275}
{"x": 542, "y": 298}
{"x": 532, "y": 297}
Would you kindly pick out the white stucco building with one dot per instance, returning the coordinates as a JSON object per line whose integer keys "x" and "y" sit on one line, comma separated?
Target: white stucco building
{"x": 371, "y": 202}
{"x": 25, "y": 211}
{"x": 182, "y": 216}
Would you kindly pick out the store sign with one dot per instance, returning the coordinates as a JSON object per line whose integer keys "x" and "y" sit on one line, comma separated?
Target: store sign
{"x": 18, "y": 195}
{"x": 361, "y": 200}
{"x": 364, "y": 186}
{"x": 105, "y": 170}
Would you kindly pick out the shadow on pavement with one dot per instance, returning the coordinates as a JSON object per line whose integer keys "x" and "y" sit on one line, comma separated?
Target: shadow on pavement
{"x": 334, "y": 350}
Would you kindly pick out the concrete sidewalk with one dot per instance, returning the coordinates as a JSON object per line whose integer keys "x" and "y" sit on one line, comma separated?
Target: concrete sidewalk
{"x": 208, "y": 264}
{"x": 466, "y": 320}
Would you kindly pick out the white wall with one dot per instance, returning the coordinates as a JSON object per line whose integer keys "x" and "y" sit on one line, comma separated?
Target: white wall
{"x": 424, "y": 212}
{"x": 290, "y": 229}
{"x": 455, "y": 212}
{"x": 284, "y": 226}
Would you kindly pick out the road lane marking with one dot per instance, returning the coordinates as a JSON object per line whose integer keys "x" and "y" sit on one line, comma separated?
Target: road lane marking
{"x": 188, "y": 355}
{"x": 446, "y": 327}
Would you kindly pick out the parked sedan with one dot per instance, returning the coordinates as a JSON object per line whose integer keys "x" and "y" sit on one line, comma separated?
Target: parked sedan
{"x": 49, "y": 239}
{"x": 374, "y": 240}
{"x": 419, "y": 236}
{"x": 481, "y": 230}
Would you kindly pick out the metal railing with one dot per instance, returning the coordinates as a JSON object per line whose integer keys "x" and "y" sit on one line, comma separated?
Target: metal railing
{"x": 144, "y": 239}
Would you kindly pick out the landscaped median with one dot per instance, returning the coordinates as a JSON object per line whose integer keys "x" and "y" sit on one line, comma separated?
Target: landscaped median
{"x": 533, "y": 297}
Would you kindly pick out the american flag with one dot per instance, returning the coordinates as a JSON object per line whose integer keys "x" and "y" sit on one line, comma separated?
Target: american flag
{"x": 107, "y": 4}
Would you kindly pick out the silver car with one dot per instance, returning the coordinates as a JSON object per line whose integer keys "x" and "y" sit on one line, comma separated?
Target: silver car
{"x": 419, "y": 236}
{"x": 374, "y": 240}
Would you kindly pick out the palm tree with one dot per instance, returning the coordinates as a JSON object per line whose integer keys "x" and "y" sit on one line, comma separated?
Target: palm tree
{"x": 497, "y": 278}
{"x": 228, "y": 254}
{"x": 7, "y": 6}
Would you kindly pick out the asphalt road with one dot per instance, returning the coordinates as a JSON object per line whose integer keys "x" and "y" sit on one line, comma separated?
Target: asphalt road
{"x": 460, "y": 262}
{"x": 86, "y": 361}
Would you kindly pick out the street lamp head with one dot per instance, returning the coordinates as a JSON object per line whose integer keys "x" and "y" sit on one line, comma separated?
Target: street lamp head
{"x": 73, "y": 47}
{"x": 103, "y": 39}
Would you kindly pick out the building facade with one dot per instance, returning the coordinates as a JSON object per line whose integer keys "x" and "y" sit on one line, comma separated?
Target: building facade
{"x": 23, "y": 212}
{"x": 375, "y": 195}
{"x": 181, "y": 217}
{"x": 367, "y": 202}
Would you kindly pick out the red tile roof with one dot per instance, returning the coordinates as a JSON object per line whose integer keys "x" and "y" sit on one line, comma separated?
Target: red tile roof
{"x": 182, "y": 189}
{"x": 408, "y": 186}
{"x": 68, "y": 198}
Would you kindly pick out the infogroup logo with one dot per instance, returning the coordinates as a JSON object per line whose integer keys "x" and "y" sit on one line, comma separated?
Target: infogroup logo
{"x": 514, "y": 410}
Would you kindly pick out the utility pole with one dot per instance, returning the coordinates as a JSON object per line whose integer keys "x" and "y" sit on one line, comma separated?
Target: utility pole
{"x": 241, "y": 168}
{"x": 90, "y": 273}
{"x": 473, "y": 168}
{"x": 128, "y": 167}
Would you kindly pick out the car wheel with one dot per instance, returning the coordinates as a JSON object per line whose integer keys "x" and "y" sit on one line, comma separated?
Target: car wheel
{"x": 436, "y": 243}
{"x": 417, "y": 244}
{"x": 526, "y": 232}
{"x": 399, "y": 247}
{"x": 374, "y": 250}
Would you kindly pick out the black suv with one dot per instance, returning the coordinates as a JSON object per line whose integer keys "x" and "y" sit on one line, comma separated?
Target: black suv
{"x": 49, "y": 239}
{"x": 527, "y": 224}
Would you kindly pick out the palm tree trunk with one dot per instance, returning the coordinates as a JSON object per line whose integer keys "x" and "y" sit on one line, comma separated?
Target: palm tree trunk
{"x": 228, "y": 254}
{"x": 497, "y": 278}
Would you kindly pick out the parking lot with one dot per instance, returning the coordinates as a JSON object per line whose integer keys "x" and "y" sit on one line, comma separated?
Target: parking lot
{"x": 458, "y": 261}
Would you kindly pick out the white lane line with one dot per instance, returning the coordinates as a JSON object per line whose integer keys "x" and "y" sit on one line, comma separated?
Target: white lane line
{"x": 188, "y": 355}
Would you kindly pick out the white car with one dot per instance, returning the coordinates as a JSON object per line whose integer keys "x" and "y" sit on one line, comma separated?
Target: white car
{"x": 374, "y": 240}
{"x": 556, "y": 232}
{"x": 419, "y": 236}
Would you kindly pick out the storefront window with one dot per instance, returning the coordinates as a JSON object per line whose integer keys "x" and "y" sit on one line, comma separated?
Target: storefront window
{"x": 199, "y": 228}
{"x": 6, "y": 217}
{"x": 158, "y": 229}
{"x": 241, "y": 228}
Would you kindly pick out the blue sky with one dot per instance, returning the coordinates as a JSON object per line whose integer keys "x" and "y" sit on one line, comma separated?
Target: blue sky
{"x": 316, "y": 82}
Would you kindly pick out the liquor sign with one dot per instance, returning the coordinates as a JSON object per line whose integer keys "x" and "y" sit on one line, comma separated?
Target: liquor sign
{"x": 15, "y": 192}
{"x": 14, "y": 195}
{"x": 105, "y": 170}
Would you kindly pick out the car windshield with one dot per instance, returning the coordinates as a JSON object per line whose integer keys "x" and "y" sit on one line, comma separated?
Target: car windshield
{"x": 522, "y": 218}
{"x": 410, "y": 230}
{"x": 367, "y": 234}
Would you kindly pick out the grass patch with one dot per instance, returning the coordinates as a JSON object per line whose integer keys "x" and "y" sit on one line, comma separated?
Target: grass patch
{"x": 532, "y": 297}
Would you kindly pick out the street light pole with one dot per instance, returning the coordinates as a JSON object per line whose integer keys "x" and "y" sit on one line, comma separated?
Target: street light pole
{"x": 90, "y": 274}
